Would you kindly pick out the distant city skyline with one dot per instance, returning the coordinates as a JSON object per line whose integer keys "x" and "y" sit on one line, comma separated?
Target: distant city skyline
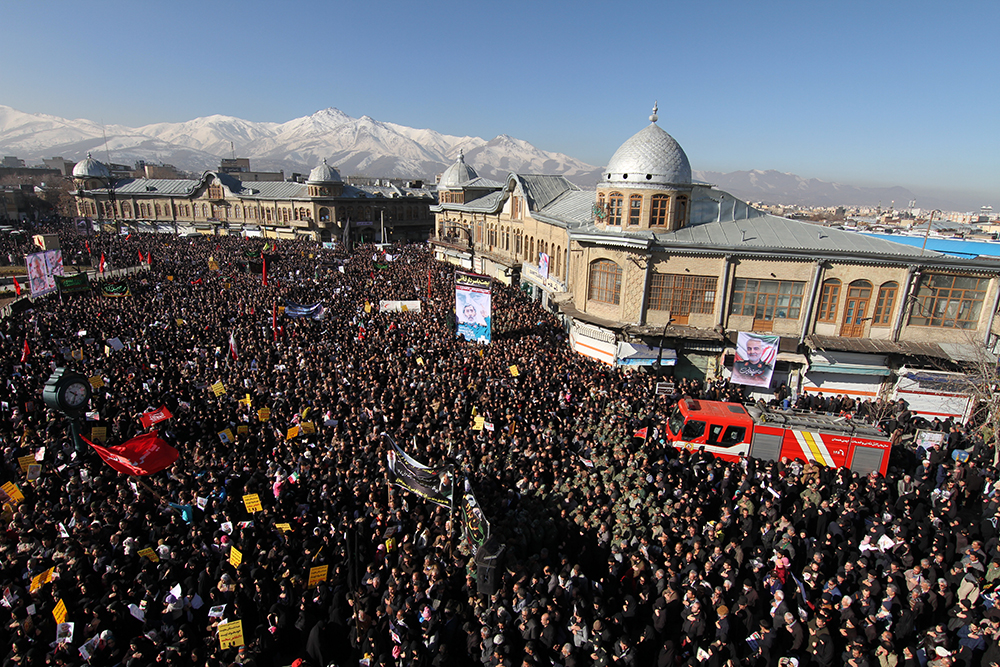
{"x": 873, "y": 94}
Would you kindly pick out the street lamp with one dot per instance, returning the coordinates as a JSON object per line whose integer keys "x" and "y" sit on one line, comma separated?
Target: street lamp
{"x": 659, "y": 350}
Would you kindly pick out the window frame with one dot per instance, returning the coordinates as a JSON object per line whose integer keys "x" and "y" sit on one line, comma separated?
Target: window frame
{"x": 829, "y": 300}
{"x": 604, "y": 282}
{"x": 739, "y": 304}
{"x": 678, "y": 293}
{"x": 882, "y": 316}
{"x": 928, "y": 297}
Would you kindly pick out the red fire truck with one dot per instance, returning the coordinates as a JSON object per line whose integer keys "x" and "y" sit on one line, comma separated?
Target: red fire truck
{"x": 731, "y": 430}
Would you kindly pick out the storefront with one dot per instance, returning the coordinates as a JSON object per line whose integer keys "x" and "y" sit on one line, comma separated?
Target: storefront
{"x": 594, "y": 342}
{"x": 853, "y": 374}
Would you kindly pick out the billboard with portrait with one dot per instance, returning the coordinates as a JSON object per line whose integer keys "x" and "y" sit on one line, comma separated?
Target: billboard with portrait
{"x": 543, "y": 265}
{"x": 472, "y": 306}
{"x": 43, "y": 267}
{"x": 754, "y": 362}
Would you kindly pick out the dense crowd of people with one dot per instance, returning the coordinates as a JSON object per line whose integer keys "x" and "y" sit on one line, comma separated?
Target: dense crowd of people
{"x": 618, "y": 550}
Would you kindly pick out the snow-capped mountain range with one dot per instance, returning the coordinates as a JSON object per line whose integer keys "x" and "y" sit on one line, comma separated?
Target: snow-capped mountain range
{"x": 365, "y": 146}
{"x": 362, "y": 146}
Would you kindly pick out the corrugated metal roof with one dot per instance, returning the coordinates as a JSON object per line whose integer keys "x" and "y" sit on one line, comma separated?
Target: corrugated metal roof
{"x": 571, "y": 208}
{"x": 763, "y": 232}
{"x": 480, "y": 182}
{"x": 542, "y": 189}
{"x": 875, "y": 346}
{"x": 162, "y": 186}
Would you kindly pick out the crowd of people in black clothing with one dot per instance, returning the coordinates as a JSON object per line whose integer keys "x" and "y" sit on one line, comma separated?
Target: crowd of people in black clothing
{"x": 618, "y": 550}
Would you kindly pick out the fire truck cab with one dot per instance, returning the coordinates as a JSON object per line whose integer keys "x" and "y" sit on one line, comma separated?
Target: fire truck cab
{"x": 731, "y": 430}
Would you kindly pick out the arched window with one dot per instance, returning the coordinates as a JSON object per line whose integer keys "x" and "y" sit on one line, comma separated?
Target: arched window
{"x": 634, "y": 210}
{"x": 615, "y": 200}
{"x": 828, "y": 301}
{"x": 884, "y": 303}
{"x": 605, "y": 283}
{"x": 658, "y": 210}
{"x": 324, "y": 215}
{"x": 555, "y": 258}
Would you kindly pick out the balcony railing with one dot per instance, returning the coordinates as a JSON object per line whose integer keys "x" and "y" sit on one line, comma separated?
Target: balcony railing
{"x": 453, "y": 242}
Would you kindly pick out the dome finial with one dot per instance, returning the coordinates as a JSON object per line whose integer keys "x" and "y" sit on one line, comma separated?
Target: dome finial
{"x": 654, "y": 117}
{"x": 461, "y": 155}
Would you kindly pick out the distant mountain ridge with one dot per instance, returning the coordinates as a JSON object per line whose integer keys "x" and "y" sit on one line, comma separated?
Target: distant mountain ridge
{"x": 365, "y": 146}
{"x": 775, "y": 187}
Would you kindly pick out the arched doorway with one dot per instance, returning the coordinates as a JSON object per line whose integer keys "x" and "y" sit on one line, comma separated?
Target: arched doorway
{"x": 859, "y": 293}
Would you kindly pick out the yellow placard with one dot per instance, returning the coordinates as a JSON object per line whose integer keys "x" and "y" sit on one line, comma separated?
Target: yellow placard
{"x": 264, "y": 414}
{"x": 77, "y": 354}
{"x": 284, "y": 527}
{"x": 403, "y": 308}
{"x": 368, "y": 307}
{"x": 149, "y": 553}
{"x": 281, "y": 310}
{"x": 242, "y": 429}
{"x": 513, "y": 371}
{"x": 252, "y": 503}
{"x": 170, "y": 278}
{"x": 179, "y": 322}
{"x": 212, "y": 264}
{"x": 97, "y": 382}
{"x": 227, "y": 435}
{"x": 235, "y": 557}
{"x": 478, "y": 423}
{"x": 218, "y": 389}
{"x": 59, "y": 613}
{"x": 420, "y": 361}
{"x": 246, "y": 401}
{"x": 292, "y": 432}
{"x": 14, "y": 493}
{"x": 41, "y": 579}
{"x": 317, "y": 574}
{"x": 228, "y": 285}
{"x": 231, "y": 634}
{"x": 25, "y": 461}
{"x": 99, "y": 433}
{"x": 308, "y": 427}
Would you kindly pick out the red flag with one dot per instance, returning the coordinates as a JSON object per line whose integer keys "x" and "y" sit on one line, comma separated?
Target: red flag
{"x": 196, "y": 282}
{"x": 141, "y": 258}
{"x": 17, "y": 286}
{"x": 87, "y": 243}
{"x": 641, "y": 433}
{"x": 232, "y": 346}
{"x": 25, "y": 352}
{"x": 155, "y": 416}
{"x": 143, "y": 455}
{"x": 263, "y": 273}
{"x": 100, "y": 267}
{"x": 149, "y": 258}
{"x": 128, "y": 236}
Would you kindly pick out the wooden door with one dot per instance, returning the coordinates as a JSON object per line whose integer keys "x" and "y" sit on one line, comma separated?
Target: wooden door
{"x": 859, "y": 293}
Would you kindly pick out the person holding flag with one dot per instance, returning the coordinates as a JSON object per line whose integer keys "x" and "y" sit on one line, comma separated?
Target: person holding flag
{"x": 232, "y": 346}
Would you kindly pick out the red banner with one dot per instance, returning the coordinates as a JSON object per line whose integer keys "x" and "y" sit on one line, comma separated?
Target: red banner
{"x": 155, "y": 417}
{"x": 143, "y": 455}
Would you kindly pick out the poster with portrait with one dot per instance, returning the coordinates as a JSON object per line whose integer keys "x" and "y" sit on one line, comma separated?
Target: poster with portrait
{"x": 472, "y": 306}
{"x": 754, "y": 362}
{"x": 543, "y": 265}
{"x": 43, "y": 267}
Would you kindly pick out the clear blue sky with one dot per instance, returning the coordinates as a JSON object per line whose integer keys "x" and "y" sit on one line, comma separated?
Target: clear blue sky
{"x": 868, "y": 93}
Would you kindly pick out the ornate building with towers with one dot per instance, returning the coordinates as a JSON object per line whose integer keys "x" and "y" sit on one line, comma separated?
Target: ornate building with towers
{"x": 658, "y": 270}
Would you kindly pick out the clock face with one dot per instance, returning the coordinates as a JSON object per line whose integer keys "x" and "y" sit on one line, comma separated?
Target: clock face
{"x": 76, "y": 394}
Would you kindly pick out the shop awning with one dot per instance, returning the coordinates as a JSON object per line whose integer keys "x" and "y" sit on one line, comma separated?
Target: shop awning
{"x": 846, "y": 363}
{"x": 634, "y": 354}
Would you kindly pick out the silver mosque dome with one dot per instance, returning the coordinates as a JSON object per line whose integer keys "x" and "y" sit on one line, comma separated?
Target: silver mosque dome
{"x": 90, "y": 168}
{"x": 324, "y": 173}
{"x": 457, "y": 173}
{"x": 651, "y": 157}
